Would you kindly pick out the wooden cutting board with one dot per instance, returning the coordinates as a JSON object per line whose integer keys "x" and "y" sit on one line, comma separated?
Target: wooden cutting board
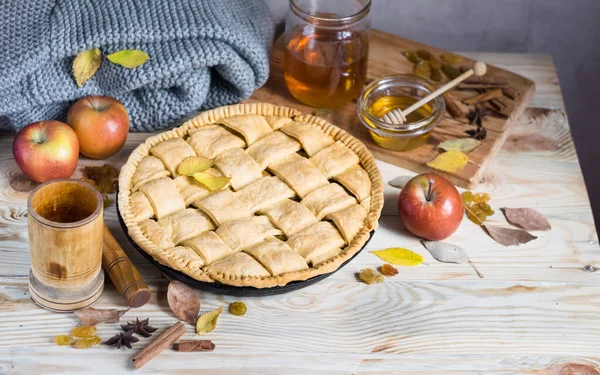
{"x": 385, "y": 58}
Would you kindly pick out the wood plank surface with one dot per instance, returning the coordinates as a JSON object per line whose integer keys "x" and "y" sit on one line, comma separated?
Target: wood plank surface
{"x": 537, "y": 310}
{"x": 386, "y": 57}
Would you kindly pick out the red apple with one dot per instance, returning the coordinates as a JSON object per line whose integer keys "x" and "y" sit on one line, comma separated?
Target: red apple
{"x": 46, "y": 150}
{"x": 101, "y": 124}
{"x": 430, "y": 207}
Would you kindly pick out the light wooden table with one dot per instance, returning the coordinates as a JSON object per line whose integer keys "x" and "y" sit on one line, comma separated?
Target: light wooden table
{"x": 537, "y": 311}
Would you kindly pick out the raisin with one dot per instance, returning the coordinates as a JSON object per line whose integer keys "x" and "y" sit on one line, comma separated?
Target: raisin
{"x": 388, "y": 270}
{"x": 63, "y": 339}
{"x": 84, "y": 331}
{"x": 370, "y": 277}
{"x": 452, "y": 58}
{"x": 435, "y": 64}
{"x": 425, "y": 55}
{"x": 422, "y": 69}
{"x": 481, "y": 198}
{"x": 467, "y": 197}
{"x": 87, "y": 342}
{"x": 238, "y": 308}
{"x": 450, "y": 71}
{"x": 436, "y": 75}
{"x": 412, "y": 56}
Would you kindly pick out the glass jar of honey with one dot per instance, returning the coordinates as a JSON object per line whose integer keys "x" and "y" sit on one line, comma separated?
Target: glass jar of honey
{"x": 326, "y": 50}
{"x": 399, "y": 92}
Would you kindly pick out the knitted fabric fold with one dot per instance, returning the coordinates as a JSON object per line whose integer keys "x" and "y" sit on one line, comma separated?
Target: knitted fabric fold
{"x": 203, "y": 54}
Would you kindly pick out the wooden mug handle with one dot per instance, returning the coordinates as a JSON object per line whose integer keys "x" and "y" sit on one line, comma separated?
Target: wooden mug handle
{"x": 123, "y": 273}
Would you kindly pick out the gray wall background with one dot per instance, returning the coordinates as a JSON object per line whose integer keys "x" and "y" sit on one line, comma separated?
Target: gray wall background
{"x": 569, "y": 30}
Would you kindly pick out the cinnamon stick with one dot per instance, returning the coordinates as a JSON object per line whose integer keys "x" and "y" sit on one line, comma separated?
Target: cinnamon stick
{"x": 453, "y": 108}
{"x": 165, "y": 340}
{"x": 484, "y": 97}
{"x": 503, "y": 105}
{"x": 484, "y": 85}
{"x": 196, "y": 346}
{"x": 512, "y": 92}
{"x": 486, "y": 79}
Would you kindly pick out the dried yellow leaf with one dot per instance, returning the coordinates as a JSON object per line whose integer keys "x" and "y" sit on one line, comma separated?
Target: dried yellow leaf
{"x": 399, "y": 256}
{"x": 86, "y": 64}
{"x": 208, "y": 321}
{"x": 129, "y": 58}
{"x": 452, "y": 162}
{"x": 194, "y": 164}
{"x": 212, "y": 183}
{"x": 465, "y": 145}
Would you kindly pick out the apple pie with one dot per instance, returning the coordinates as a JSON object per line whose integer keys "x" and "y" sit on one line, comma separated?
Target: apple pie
{"x": 301, "y": 196}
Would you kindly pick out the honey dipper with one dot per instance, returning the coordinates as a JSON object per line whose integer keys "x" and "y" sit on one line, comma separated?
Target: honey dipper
{"x": 397, "y": 116}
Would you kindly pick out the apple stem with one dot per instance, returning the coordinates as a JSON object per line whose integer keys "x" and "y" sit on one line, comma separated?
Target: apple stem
{"x": 429, "y": 190}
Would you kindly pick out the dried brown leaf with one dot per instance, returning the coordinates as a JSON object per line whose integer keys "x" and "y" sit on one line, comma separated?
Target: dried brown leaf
{"x": 508, "y": 236}
{"x": 90, "y": 316}
{"x": 527, "y": 218}
{"x": 183, "y": 301}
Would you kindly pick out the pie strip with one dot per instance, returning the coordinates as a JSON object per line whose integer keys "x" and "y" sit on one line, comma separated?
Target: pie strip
{"x": 210, "y": 247}
{"x": 327, "y": 199}
{"x": 356, "y": 180}
{"x": 289, "y": 216}
{"x": 164, "y": 197}
{"x": 236, "y": 163}
{"x": 140, "y": 206}
{"x": 150, "y": 168}
{"x": 252, "y": 127}
{"x": 239, "y": 265}
{"x": 300, "y": 174}
{"x": 172, "y": 152}
{"x": 185, "y": 224}
{"x": 211, "y": 140}
{"x": 277, "y": 122}
{"x": 272, "y": 147}
{"x": 312, "y": 138}
{"x": 349, "y": 220}
{"x": 223, "y": 206}
{"x": 263, "y": 193}
{"x": 184, "y": 259}
{"x": 317, "y": 243}
{"x": 334, "y": 159}
{"x": 276, "y": 256}
{"x": 155, "y": 233}
{"x": 243, "y": 233}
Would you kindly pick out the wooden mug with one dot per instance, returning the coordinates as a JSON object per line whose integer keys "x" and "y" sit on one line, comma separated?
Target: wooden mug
{"x": 66, "y": 225}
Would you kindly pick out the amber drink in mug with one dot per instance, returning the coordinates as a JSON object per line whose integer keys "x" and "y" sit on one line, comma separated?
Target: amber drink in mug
{"x": 326, "y": 50}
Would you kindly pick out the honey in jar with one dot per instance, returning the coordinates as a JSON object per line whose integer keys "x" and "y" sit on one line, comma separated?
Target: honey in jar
{"x": 399, "y": 92}
{"x": 326, "y": 51}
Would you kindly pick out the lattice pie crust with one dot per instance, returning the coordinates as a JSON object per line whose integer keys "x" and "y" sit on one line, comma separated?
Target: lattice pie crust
{"x": 303, "y": 197}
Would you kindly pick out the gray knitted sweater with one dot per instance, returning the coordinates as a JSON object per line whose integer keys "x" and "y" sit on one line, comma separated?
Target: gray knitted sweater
{"x": 203, "y": 53}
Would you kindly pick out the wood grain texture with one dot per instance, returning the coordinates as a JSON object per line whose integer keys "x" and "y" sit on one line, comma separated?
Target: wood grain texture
{"x": 386, "y": 58}
{"x": 535, "y": 312}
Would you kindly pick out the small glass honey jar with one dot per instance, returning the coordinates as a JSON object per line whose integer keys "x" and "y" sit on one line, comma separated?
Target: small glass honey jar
{"x": 399, "y": 92}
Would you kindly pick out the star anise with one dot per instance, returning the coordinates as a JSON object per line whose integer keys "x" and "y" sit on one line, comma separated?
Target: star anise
{"x": 480, "y": 133}
{"x": 140, "y": 327}
{"x": 122, "y": 339}
{"x": 476, "y": 115}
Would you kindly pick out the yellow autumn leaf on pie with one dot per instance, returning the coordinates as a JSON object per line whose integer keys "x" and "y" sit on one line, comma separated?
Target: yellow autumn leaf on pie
{"x": 452, "y": 162}
{"x": 208, "y": 321}
{"x": 129, "y": 58}
{"x": 86, "y": 64}
{"x": 194, "y": 164}
{"x": 212, "y": 183}
{"x": 399, "y": 256}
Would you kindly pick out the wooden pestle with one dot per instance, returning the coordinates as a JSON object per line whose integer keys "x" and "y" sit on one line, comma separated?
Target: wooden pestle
{"x": 123, "y": 273}
{"x": 397, "y": 116}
